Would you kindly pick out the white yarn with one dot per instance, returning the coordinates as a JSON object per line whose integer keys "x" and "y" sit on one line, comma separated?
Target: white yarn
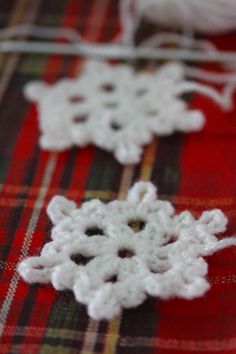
{"x": 42, "y": 32}
{"x": 205, "y": 50}
{"x": 115, "y": 255}
{"x": 117, "y": 109}
{"x": 205, "y": 16}
{"x": 109, "y": 51}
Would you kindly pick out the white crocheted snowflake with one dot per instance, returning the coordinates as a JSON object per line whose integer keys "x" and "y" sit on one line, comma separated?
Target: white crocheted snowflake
{"x": 114, "y": 255}
{"x": 113, "y": 107}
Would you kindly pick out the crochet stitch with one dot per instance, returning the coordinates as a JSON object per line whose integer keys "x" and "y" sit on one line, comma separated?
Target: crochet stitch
{"x": 113, "y": 107}
{"x": 114, "y": 255}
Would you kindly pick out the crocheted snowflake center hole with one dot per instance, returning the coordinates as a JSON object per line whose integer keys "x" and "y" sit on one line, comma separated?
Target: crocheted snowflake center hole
{"x": 112, "y": 279}
{"x": 80, "y": 119}
{"x": 137, "y": 225}
{"x": 79, "y": 259}
{"x": 170, "y": 239}
{"x": 125, "y": 253}
{"x": 76, "y": 99}
{"x": 94, "y": 231}
{"x": 115, "y": 126}
{"x": 108, "y": 87}
{"x": 39, "y": 267}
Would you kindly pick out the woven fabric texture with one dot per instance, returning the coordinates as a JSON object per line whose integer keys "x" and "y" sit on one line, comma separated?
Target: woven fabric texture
{"x": 195, "y": 172}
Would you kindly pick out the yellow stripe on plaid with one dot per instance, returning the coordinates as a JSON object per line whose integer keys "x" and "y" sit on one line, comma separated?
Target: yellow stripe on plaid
{"x": 112, "y": 336}
{"x": 145, "y": 174}
{"x": 148, "y": 161}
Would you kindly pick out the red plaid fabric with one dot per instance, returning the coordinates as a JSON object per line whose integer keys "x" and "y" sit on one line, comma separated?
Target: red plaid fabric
{"x": 195, "y": 171}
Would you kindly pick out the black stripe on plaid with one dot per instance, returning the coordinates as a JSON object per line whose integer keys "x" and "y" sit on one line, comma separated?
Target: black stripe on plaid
{"x": 105, "y": 172}
{"x": 15, "y": 214}
{"x": 166, "y": 172}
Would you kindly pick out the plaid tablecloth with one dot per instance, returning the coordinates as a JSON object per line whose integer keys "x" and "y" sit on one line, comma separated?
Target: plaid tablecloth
{"x": 195, "y": 172}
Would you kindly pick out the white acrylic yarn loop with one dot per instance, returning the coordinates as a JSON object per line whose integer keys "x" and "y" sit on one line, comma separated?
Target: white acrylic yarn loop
{"x": 205, "y": 16}
{"x": 114, "y": 255}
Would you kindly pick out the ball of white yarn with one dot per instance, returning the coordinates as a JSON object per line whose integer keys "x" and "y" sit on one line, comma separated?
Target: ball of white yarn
{"x": 205, "y": 16}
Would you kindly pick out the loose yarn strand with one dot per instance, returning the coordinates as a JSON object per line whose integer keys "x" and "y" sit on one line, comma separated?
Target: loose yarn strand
{"x": 208, "y": 76}
{"x": 127, "y": 22}
{"x": 42, "y": 32}
{"x": 80, "y": 46}
{"x": 116, "y": 51}
{"x": 160, "y": 39}
{"x": 214, "y": 247}
{"x": 224, "y": 99}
